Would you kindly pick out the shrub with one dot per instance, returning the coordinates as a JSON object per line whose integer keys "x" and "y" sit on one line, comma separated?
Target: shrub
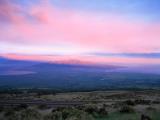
{"x": 95, "y": 111}
{"x": 143, "y": 102}
{"x": 54, "y": 116}
{"x": 30, "y": 114}
{"x": 43, "y": 107}
{"x": 21, "y": 107}
{"x": 145, "y": 117}
{"x": 65, "y": 114}
{"x": 126, "y": 109}
{"x": 102, "y": 112}
{"x": 151, "y": 108}
{"x": 69, "y": 114}
{"x": 91, "y": 109}
{"x": 129, "y": 102}
{"x": 14, "y": 116}
{"x": 9, "y": 112}
{"x": 156, "y": 102}
{"x": 1, "y": 109}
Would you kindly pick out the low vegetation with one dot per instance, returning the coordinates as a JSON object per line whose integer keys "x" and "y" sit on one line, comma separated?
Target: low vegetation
{"x": 100, "y": 106}
{"x": 126, "y": 109}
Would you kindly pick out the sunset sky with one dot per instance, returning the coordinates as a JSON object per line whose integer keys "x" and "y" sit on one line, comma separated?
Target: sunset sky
{"x": 91, "y": 31}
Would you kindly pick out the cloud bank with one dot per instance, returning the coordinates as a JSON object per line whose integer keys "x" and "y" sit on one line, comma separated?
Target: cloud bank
{"x": 44, "y": 28}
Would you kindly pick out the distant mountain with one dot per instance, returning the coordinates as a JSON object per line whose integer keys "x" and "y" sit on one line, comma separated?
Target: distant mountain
{"x": 33, "y": 74}
{"x": 8, "y": 64}
{"x": 12, "y": 62}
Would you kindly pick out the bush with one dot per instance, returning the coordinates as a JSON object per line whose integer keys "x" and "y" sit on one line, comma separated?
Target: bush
{"x": 68, "y": 114}
{"x": 156, "y": 102}
{"x": 126, "y": 109}
{"x": 1, "y": 109}
{"x": 9, "y": 112}
{"x": 129, "y": 102}
{"x": 43, "y": 107}
{"x": 91, "y": 109}
{"x": 143, "y": 102}
{"x": 14, "y": 116}
{"x": 21, "y": 107}
{"x": 54, "y": 116}
{"x": 102, "y": 112}
{"x": 30, "y": 114}
{"x": 95, "y": 111}
{"x": 151, "y": 108}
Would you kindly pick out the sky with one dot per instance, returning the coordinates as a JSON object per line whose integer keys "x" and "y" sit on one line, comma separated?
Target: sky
{"x": 91, "y": 31}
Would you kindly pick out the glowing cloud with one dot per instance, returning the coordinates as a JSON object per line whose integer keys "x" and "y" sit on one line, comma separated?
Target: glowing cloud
{"x": 43, "y": 28}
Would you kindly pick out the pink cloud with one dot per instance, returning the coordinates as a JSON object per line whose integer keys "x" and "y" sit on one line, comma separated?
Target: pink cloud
{"x": 82, "y": 59}
{"x": 90, "y": 31}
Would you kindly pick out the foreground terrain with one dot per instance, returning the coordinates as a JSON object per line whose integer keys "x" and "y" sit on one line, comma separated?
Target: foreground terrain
{"x": 98, "y": 105}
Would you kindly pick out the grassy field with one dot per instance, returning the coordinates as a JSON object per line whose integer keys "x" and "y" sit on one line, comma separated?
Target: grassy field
{"x": 98, "y": 105}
